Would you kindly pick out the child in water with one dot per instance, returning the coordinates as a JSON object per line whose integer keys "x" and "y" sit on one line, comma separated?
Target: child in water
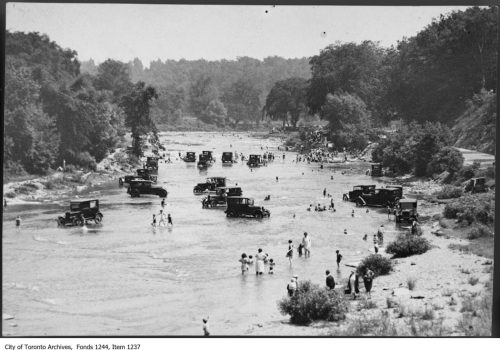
{"x": 250, "y": 260}
{"x": 154, "y": 221}
{"x": 271, "y": 266}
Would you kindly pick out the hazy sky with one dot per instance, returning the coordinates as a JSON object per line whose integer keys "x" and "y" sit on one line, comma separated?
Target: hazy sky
{"x": 149, "y": 32}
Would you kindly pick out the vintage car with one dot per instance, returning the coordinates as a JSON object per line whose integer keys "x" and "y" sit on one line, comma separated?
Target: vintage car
{"x": 144, "y": 174}
{"x": 377, "y": 170}
{"x": 476, "y": 185}
{"x": 398, "y": 188}
{"x": 255, "y": 160}
{"x": 357, "y": 191}
{"x": 244, "y": 207}
{"x": 151, "y": 163}
{"x": 140, "y": 186}
{"x": 227, "y": 157}
{"x": 380, "y": 197}
{"x": 80, "y": 212}
{"x": 209, "y": 185}
{"x": 220, "y": 196}
{"x": 406, "y": 210}
{"x": 208, "y": 156}
{"x": 190, "y": 157}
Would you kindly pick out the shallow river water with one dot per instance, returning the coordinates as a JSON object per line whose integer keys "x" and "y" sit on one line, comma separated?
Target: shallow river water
{"x": 125, "y": 278}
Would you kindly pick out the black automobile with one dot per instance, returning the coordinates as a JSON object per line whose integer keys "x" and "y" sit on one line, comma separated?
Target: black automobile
{"x": 219, "y": 198}
{"x": 80, "y": 212}
{"x": 406, "y": 210}
{"x": 227, "y": 157}
{"x": 357, "y": 191}
{"x": 209, "y": 185}
{"x": 208, "y": 156}
{"x": 380, "y": 197}
{"x": 138, "y": 187}
{"x": 145, "y": 174}
{"x": 190, "y": 157}
{"x": 376, "y": 170}
{"x": 152, "y": 163}
{"x": 244, "y": 207}
{"x": 398, "y": 188}
{"x": 255, "y": 160}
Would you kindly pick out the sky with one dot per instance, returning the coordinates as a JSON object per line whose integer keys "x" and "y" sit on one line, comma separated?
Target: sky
{"x": 152, "y": 32}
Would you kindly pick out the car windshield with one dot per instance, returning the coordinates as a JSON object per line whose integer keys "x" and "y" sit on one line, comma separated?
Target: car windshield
{"x": 407, "y": 205}
{"x": 74, "y": 206}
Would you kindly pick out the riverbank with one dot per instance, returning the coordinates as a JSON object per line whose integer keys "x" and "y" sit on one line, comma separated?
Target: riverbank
{"x": 446, "y": 291}
{"x": 59, "y": 185}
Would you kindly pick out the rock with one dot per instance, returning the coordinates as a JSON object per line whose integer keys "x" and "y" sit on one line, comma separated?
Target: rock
{"x": 417, "y": 297}
{"x": 7, "y": 317}
{"x": 488, "y": 262}
{"x": 13, "y": 324}
{"x": 412, "y": 264}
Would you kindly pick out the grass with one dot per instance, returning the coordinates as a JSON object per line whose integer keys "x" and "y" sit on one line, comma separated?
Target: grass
{"x": 411, "y": 283}
{"x": 391, "y": 303}
{"x": 366, "y": 304}
{"x": 465, "y": 271}
{"x": 476, "y": 320}
{"x": 481, "y": 246}
{"x": 428, "y": 314}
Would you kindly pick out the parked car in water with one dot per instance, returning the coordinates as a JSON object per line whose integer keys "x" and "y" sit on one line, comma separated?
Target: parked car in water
{"x": 227, "y": 157}
{"x": 208, "y": 156}
{"x": 379, "y": 197}
{"x": 255, "y": 160}
{"x": 139, "y": 187}
{"x": 406, "y": 210}
{"x": 398, "y": 188}
{"x": 220, "y": 196}
{"x": 144, "y": 174}
{"x": 357, "y": 191}
{"x": 80, "y": 212}
{"x": 152, "y": 163}
{"x": 190, "y": 157}
{"x": 376, "y": 170}
{"x": 209, "y": 185}
{"x": 244, "y": 207}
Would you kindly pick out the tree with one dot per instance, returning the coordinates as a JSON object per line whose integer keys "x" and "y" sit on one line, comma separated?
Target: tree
{"x": 447, "y": 159}
{"x": 215, "y": 113}
{"x": 114, "y": 76}
{"x": 201, "y": 92}
{"x": 136, "y": 106}
{"x": 287, "y": 98}
{"x": 242, "y": 101}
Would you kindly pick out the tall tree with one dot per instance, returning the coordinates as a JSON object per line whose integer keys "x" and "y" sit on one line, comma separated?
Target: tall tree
{"x": 242, "y": 101}
{"x": 287, "y": 98}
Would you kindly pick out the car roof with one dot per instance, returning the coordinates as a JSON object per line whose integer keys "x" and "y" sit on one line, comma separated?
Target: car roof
{"x": 141, "y": 180}
{"x": 239, "y": 197}
{"x": 407, "y": 200}
{"x": 216, "y": 177}
{"x": 75, "y": 201}
{"x": 365, "y": 185}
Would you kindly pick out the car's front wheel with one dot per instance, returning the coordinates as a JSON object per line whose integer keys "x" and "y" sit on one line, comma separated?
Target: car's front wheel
{"x": 258, "y": 215}
{"x": 60, "y": 221}
{"x": 135, "y": 193}
{"x": 98, "y": 218}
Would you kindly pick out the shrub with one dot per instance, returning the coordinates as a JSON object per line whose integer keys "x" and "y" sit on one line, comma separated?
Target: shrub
{"x": 473, "y": 280}
{"x": 411, "y": 282}
{"x": 449, "y": 191}
{"x": 10, "y": 195}
{"x": 428, "y": 314}
{"x": 313, "y": 303}
{"x": 472, "y": 208}
{"x": 367, "y": 304}
{"x": 407, "y": 245}
{"x": 26, "y": 188}
{"x": 478, "y": 231}
{"x": 377, "y": 263}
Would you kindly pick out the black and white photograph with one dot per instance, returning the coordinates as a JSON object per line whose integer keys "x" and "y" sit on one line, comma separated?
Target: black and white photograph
{"x": 248, "y": 170}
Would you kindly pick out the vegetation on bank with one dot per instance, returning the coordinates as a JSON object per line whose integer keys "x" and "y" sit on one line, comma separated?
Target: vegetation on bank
{"x": 407, "y": 244}
{"x": 310, "y": 302}
{"x": 379, "y": 264}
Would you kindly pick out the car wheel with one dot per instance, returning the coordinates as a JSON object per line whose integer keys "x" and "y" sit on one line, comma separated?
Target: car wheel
{"x": 98, "y": 218}
{"x": 258, "y": 215}
{"x": 135, "y": 193}
{"x": 163, "y": 194}
{"x": 229, "y": 214}
{"x": 60, "y": 221}
{"x": 78, "y": 222}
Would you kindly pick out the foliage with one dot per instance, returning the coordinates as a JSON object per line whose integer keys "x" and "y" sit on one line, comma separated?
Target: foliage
{"x": 242, "y": 102}
{"x": 411, "y": 283}
{"x": 379, "y": 264}
{"x": 286, "y": 100}
{"x": 472, "y": 208}
{"x": 478, "y": 231}
{"x": 449, "y": 191}
{"x": 312, "y": 303}
{"x": 407, "y": 245}
{"x": 447, "y": 159}
{"x": 215, "y": 113}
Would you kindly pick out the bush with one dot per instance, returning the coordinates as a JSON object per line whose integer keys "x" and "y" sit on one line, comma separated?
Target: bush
{"x": 313, "y": 303}
{"x": 377, "y": 263}
{"x": 367, "y": 304}
{"x": 473, "y": 280}
{"x": 407, "y": 245}
{"x": 449, "y": 191}
{"x": 10, "y": 195}
{"x": 472, "y": 208}
{"x": 478, "y": 231}
{"x": 411, "y": 282}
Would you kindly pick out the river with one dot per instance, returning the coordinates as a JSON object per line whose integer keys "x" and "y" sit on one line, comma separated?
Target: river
{"x": 125, "y": 278}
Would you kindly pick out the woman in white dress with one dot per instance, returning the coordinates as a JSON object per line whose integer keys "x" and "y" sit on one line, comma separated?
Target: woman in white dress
{"x": 259, "y": 266}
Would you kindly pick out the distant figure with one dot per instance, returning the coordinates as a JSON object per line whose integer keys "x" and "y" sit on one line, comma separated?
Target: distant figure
{"x": 380, "y": 233}
{"x": 250, "y": 260}
{"x": 352, "y": 213}
{"x": 367, "y": 211}
{"x": 206, "y": 331}
{"x": 283, "y": 156}
{"x": 389, "y": 211}
{"x": 18, "y": 221}
{"x": 268, "y": 197}
{"x": 324, "y": 192}
{"x": 291, "y": 287}
{"x": 289, "y": 253}
{"x": 294, "y": 215}
{"x": 414, "y": 228}
{"x": 259, "y": 266}
{"x": 306, "y": 241}
{"x": 339, "y": 258}
{"x": 154, "y": 221}
{"x": 345, "y": 231}
{"x": 244, "y": 263}
{"x": 331, "y": 177}
{"x": 169, "y": 218}
{"x": 162, "y": 218}
{"x": 300, "y": 249}
{"x": 375, "y": 239}
{"x": 271, "y": 266}
{"x": 368, "y": 280}
{"x": 375, "y": 247}
{"x": 365, "y": 237}
{"x": 330, "y": 281}
{"x": 5, "y": 202}
{"x": 163, "y": 203}
{"x": 277, "y": 179}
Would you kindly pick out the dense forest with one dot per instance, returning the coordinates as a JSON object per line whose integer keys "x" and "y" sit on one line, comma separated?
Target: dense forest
{"x": 57, "y": 108}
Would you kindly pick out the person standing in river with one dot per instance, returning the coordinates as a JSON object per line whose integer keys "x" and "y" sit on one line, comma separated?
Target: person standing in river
{"x": 289, "y": 253}
{"x": 324, "y": 192}
{"x": 244, "y": 263}
{"x": 306, "y": 241}
{"x": 18, "y": 222}
{"x": 169, "y": 220}
{"x": 339, "y": 258}
{"x": 163, "y": 203}
{"x": 368, "y": 280}
{"x": 259, "y": 265}
{"x": 330, "y": 281}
